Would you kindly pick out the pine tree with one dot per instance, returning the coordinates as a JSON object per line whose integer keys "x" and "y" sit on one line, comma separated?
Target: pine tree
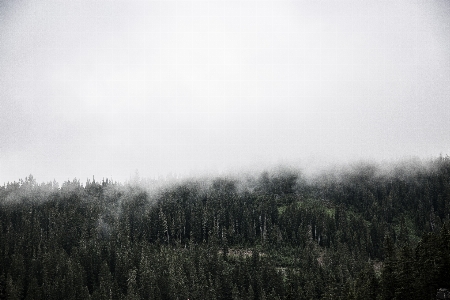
{"x": 367, "y": 286}
{"x": 104, "y": 290}
{"x": 405, "y": 275}
{"x": 389, "y": 275}
{"x": 132, "y": 293}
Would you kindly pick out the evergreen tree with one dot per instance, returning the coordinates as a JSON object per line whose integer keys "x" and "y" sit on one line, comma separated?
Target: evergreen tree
{"x": 389, "y": 274}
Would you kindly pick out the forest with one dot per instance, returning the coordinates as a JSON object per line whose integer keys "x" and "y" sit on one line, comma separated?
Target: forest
{"x": 361, "y": 232}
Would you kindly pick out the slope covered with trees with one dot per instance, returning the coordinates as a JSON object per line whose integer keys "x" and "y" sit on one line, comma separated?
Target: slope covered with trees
{"x": 361, "y": 233}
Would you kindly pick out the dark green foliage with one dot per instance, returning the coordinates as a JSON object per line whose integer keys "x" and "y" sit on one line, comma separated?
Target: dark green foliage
{"x": 361, "y": 235}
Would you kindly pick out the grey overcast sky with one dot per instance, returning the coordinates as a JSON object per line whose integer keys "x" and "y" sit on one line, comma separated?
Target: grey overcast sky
{"x": 107, "y": 87}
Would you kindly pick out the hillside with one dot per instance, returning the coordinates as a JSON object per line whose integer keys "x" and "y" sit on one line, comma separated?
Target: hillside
{"x": 361, "y": 233}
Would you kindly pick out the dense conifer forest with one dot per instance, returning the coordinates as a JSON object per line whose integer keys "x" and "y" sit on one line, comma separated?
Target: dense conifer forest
{"x": 363, "y": 232}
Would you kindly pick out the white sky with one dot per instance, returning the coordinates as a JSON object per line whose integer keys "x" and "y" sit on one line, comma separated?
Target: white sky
{"x": 107, "y": 87}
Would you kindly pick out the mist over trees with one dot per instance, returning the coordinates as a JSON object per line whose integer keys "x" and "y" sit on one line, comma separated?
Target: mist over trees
{"x": 365, "y": 232}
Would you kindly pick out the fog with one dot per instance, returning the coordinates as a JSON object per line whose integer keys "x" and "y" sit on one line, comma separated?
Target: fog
{"x": 106, "y": 88}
